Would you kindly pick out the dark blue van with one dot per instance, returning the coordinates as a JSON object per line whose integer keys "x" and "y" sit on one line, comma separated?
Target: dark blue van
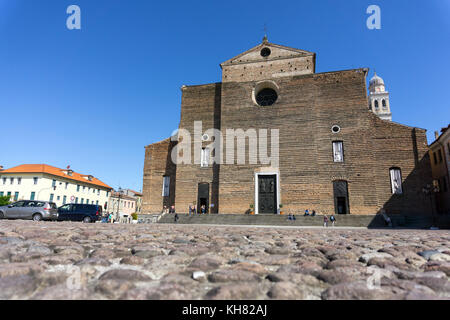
{"x": 80, "y": 212}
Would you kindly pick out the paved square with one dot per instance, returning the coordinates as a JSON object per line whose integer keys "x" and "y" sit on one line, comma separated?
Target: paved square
{"x": 63, "y": 260}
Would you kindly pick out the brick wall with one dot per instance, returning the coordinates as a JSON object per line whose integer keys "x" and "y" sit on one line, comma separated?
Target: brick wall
{"x": 158, "y": 164}
{"x": 307, "y": 107}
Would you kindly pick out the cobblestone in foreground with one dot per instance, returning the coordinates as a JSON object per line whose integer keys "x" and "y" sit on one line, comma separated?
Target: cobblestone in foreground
{"x": 52, "y": 260}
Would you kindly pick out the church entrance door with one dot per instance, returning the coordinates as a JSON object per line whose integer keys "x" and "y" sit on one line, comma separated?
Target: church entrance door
{"x": 203, "y": 197}
{"x": 267, "y": 194}
{"x": 341, "y": 203}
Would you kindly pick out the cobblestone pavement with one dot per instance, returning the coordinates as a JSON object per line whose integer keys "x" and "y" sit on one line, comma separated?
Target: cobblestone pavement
{"x": 62, "y": 260}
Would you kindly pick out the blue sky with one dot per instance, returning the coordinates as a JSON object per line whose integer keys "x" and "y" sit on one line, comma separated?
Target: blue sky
{"x": 93, "y": 98}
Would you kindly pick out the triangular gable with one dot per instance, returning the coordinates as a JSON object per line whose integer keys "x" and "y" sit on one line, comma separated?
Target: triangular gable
{"x": 277, "y": 52}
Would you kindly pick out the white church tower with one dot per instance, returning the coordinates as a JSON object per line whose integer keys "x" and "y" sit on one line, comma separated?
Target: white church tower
{"x": 379, "y": 98}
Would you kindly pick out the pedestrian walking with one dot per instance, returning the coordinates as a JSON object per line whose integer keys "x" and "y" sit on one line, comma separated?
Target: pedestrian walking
{"x": 325, "y": 221}
{"x": 176, "y": 217}
{"x": 203, "y": 209}
{"x": 333, "y": 220}
{"x": 191, "y": 209}
{"x": 313, "y": 214}
{"x": 172, "y": 209}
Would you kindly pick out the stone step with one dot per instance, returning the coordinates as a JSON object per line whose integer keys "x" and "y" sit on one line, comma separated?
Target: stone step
{"x": 281, "y": 220}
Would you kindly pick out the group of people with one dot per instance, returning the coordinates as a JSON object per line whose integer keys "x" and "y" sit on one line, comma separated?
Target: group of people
{"x": 168, "y": 210}
{"x": 312, "y": 214}
{"x": 108, "y": 218}
{"x": 325, "y": 220}
{"x": 193, "y": 209}
{"x": 332, "y": 218}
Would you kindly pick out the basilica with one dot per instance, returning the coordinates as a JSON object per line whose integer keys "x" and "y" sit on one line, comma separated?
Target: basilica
{"x": 337, "y": 148}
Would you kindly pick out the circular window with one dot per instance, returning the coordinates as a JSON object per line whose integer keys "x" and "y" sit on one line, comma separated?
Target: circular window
{"x": 265, "y": 52}
{"x": 266, "y": 97}
{"x": 335, "y": 129}
{"x": 205, "y": 137}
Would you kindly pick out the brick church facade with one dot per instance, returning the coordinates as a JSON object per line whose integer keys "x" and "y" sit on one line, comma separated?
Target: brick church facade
{"x": 335, "y": 153}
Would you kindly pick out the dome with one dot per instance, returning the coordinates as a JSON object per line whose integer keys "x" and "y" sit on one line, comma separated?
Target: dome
{"x": 376, "y": 80}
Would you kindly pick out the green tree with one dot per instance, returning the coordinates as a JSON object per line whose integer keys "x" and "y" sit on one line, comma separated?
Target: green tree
{"x": 4, "y": 200}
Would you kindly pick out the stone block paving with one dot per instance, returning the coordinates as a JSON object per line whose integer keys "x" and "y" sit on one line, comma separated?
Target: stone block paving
{"x": 64, "y": 260}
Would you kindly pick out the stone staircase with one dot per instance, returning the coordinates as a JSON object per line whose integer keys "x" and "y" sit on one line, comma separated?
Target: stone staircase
{"x": 274, "y": 220}
{"x": 420, "y": 222}
{"x": 150, "y": 218}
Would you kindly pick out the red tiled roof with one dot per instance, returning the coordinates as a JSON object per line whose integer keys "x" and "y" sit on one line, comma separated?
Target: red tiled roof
{"x": 44, "y": 168}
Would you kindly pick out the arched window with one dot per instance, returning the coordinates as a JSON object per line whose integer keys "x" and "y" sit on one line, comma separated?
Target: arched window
{"x": 376, "y": 104}
{"x": 383, "y": 102}
{"x": 396, "y": 180}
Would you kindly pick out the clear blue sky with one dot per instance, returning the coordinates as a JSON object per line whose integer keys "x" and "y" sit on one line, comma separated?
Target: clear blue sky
{"x": 94, "y": 98}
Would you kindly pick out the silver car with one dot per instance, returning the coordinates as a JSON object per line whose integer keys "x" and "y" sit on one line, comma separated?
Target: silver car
{"x": 30, "y": 210}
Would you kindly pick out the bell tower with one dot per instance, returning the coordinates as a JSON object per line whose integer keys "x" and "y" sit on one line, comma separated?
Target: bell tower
{"x": 379, "y": 98}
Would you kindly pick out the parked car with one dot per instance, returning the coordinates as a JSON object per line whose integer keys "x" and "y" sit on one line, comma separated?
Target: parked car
{"x": 30, "y": 210}
{"x": 80, "y": 212}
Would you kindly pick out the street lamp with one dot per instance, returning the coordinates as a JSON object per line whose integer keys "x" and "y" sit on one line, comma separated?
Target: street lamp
{"x": 119, "y": 194}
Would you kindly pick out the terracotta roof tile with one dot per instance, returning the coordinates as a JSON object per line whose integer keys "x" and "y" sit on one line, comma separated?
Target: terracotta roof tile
{"x": 44, "y": 168}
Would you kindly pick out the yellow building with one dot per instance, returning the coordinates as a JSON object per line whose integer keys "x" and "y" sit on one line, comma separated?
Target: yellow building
{"x": 47, "y": 183}
{"x": 440, "y": 167}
